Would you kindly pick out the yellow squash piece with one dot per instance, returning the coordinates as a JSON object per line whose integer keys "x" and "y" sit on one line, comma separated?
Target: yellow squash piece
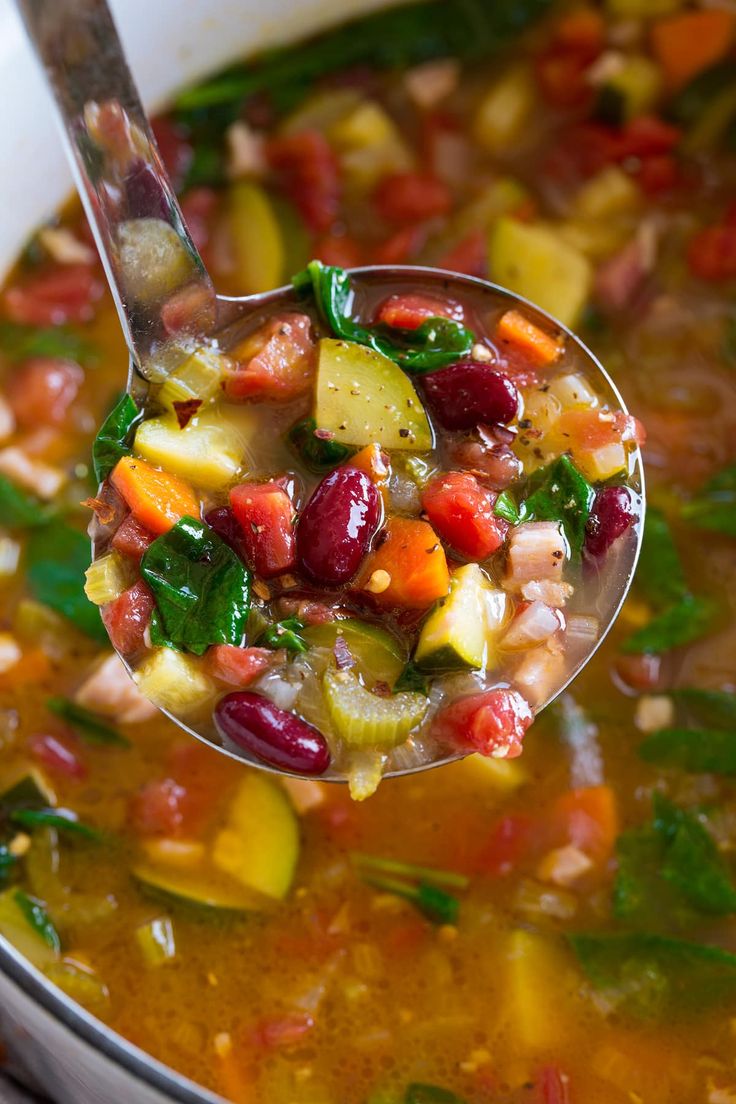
{"x": 364, "y": 397}
{"x": 256, "y": 239}
{"x": 174, "y": 681}
{"x": 259, "y": 847}
{"x": 505, "y": 109}
{"x": 206, "y": 453}
{"x": 458, "y": 634}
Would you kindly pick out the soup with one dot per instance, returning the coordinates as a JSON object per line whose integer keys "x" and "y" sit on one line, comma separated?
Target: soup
{"x": 557, "y": 927}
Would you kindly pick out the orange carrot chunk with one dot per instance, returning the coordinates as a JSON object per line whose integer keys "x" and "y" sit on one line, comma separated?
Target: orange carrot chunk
{"x": 686, "y": 44}
{"x": 375, "y": 463}
{"x": 538, "y": 346}
{"x": 156, "y": 499}
{"x": 408, "y": 570}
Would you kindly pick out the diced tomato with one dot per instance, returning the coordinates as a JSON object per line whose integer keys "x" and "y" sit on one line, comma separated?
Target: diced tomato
{"x": 309, "y": 174}
{"x": 276, "y": 362}
{"x": 658, "y": 174}
{"x": 338, "y": 249}
{"x": 582, "y": 30}
{"x": 588, "y": 819}
{"x": 461, "y": 511}
{"x": 588, "y": 429}
{"x": 412, "y": 197}
{"x": 132, "y": 539}
{"x": 265, "y": 513}
{"x": 41, "y": 391}
{"x": 711, "y": 253}
{"x": 176, "y": 152}
{"x": 205, "y": 775}
{"x": 400, "y": 247}
{"x": 561, "y": 75}
{"x": 199, "y": 207}
{"x": 57, "y": 754}
{"x": 408, "y": 312}
{"x": 469, "y": 256}
{"x": 158, "y": 809}
{"x": 238, "y": 666}
{"x": 126, "y": 619}
{"x": 63, "y": 293}
{"x": 492, "y": 723}
{"x": 554, "y": 1086}
{"x": 646, "y": 136}
{"x": 283, "y": 1032}
{"x": 511, "y": 841}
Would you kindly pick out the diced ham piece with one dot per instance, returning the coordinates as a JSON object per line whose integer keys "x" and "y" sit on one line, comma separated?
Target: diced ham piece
{"x": 545, "y": 590}
{"x": 532, "y": 625}
{"x": 110, "y": 690}
{"x": 564, "y": 866}
{"x": 536, "y": 550}
{"x": 540, "y": 671}
{"x": 35, "y": 476}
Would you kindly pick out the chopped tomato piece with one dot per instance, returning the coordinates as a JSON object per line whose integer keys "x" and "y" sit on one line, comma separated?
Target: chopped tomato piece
{"x": 156, "y": 498}
{"x": 284, "y": 1031}
{"x": 338, "y": 249}
{"x": 412, "y": 563}
{"x": 461, "y": 511}
{"x": 41, "y": 390}
{"x": 658, "y": 173}
{"x": 408, "y": 312}
{"x": 127, "y": 618}
{"x": 561, "y": 75}
{"x": 57, "y": 755}
{"x": 515, "y": 330}
{"x": 132, "y": 539}
{"x": 469, "y": 256}
{"x": 265, "y": 514}
{"x": 412, "y": 197}
{"x": 645, "y": 136}
{"x": 711, "y": 253}
{"x": 276, "y": 362}
{"x": 402, "y": 246}
{"x": 238, "y": 666}
{"x": 512, "y": 840}
{"x": 588, "y": 819}
{"x": 310, "y": 175}
{"x": 158, "y": 808}
{"x": 492, "y": 723}
{"x": 65, "y": 293}
{"x": 687, "y": 43}
{"x": 554, "y": 1086}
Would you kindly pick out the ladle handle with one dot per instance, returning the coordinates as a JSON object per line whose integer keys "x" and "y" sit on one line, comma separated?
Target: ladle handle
{"x": 159, "y": 282}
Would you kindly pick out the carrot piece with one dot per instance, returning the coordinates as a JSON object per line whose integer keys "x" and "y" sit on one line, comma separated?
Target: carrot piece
{"x": 157, "y": 499}
{"x": 375, "y": 463}
{"x": 32, "y": 667}
{"x": 414, "y": 560}
{"x": 686, "y": 44}
{"x": 540, "y": 347}
{"x": 588, "y": 818}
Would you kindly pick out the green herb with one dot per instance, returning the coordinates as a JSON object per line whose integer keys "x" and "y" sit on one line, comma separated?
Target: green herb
{"x": 654, "y": 974}
{"x": 115, "y": 436}
{"x": 506, "y": 508}
{"x": 427, "y": 874}
{"x": 698, "y": 750}
{"x": 63, "y": 819}
{"x": 57, "y": 558}
{"x": 202, "y": 588}
{"x": 19, "y": 342}
{"x": 396, "y": 38}
{"x": 561, "y": 493}
{"x": 412, "y": 678}
{"x": 714, "y": 507}
{"x": 687, "y": 620}
{"x": 435, "y": 344}
{"x": 38, "y": 919}
{"x": 659, "y": 575}
{"x": 19, "y": 510}
{"x": 319, "y": 454}
{"x": 284, "y": 634}
{"x": 430, "y": 1094}
{"x": 716, "y": 708}
{"x": 706, "y": 106}
{"x": 89, "y": 726}
{"x": 7, "y": 862}
{"x": 423, "y": 886}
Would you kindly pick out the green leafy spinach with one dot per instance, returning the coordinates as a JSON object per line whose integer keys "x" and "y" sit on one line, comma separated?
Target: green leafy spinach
{"x": 559, "y": 492}
{"x": 115, "y": 436}
{"x": 57, "y": 558}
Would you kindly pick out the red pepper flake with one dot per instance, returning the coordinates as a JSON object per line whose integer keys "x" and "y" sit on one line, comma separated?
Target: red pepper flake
{"x": 105, "y": 512}
{"x": 186, "y": 410}
{"x": 324, "y": 434}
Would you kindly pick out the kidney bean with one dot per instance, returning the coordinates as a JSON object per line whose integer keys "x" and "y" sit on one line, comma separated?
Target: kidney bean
{"x": 612, "y": 514}
{"x": 143, "y": 193}
{"x": 223, "y": 521}
{"x": 337, "y": 526}
{"x": 274, "y": 736}
{"x": 469, "y": 393}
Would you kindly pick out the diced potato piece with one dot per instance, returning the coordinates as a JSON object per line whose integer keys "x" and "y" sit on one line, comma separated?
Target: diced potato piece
{"x": 538, "y": 976}
{"x": 260, "y": 845}
{"x": 602, "y": 463}
{"x": 153, "y": 259}
{"x": 9, "y": 556}
{"x": 198, "y": 377}
{"x": 505, "y": 109}
{"x": 107, "y": 578}
{"x": 363, "y": 397}
{"x": 173, "y": 681}
{"x": 611, "y": 192}
{"x": 370, "y": 145}
{"x": 572, "y": 391}
{"x": 534, "y": 261}
{"x": 256, "y": 238}
{"x": 206, "y": 452}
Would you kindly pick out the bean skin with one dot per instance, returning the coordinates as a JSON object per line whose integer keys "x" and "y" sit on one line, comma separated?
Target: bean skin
{"x": 273, "y": 735}
{"x": 612, "y": 514}
{"x": 469, "y": 393}
{"x": 337, "y": 526}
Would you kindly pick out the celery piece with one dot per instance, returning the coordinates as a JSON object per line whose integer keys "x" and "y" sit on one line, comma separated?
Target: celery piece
{"x": 197, "y": 377}
{"x": 107, "y": 578}
{"x": 364, "y": 719}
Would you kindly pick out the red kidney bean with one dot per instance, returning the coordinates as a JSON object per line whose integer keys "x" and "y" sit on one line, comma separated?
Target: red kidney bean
{"x": 274, "y": 736}
{"x": 223, "y": 521}
{"x": 469, "y": 393}
{"x": 612, "y": 514}
{"x": 337, "y": 526}
{"x": 143, "y": 193}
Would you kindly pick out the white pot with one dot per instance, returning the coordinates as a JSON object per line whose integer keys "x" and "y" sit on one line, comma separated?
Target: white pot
{"x": 68, "y": 1053}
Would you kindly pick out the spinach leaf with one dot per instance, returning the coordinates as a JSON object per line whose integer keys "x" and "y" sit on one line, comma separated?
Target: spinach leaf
{"x": 698, "y": 750}
{"x": 318, "y": 454}
{"x": 64, "y": 820}
{"x": 714, "y": 507}
{"x": 435, "y": 344}
{"x": 680, "y": 624}
{"x": 716, "y": 708}
{"x": 57, "y": 559}
{"x": 418, "y": 1093}
{"x": 7, "y": 862}
{"x": 19, "y": 342}
{"x": 561, "y": 493}
{"x": 393, "y": 38}
{"x": 659, "y": 574}
{"x": 38, "y": 919}
{"x": 506, "y": 508}
{"x": 19, "y": 510}
{"x": 284, "y": 634}
{"x": 641, "y": 896}
{"x": 202, "y": 588}
{"x": 114, "y": 437}
{"x": 89, "y": 726}
{"x": 654, "y": 975}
